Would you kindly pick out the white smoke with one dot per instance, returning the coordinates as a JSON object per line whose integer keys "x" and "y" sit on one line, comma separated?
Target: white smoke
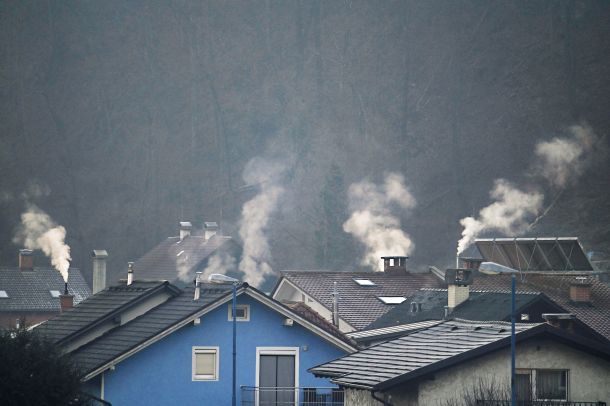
{"x": 372, "y": 221}
{"x": 508, "y": 214}
{"x": 39, "y": 231}
{"x": 255, "y": 217}
{"x": 183, "y": 266}
{"x": 219, "y": 263}
{"x": 563, "y": 160}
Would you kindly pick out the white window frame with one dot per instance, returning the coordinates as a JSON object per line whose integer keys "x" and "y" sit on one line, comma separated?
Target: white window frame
{"x": 279, "y": 351}
{"x": 246, "y": 308}
{"x": 206, "y": 350}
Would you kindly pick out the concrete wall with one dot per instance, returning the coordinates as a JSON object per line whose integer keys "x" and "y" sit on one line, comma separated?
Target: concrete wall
{"x": 161, "y": 373}
{"x": 589, "y": 377}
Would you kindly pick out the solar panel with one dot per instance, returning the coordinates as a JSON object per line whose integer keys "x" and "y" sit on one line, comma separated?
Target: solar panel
{"x": 535, "y": 254}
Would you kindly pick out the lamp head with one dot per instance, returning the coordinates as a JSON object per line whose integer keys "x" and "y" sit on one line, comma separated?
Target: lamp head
{"x": 221, "y": 279}
{"x": 492, "y": 268}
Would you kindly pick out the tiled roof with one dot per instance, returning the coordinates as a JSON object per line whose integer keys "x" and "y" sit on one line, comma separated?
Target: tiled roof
{"x": 481, "y": 305}
{"x": 313, "y": 317}
{"x": 164, "y": 260}
{"x": 557, "y": 287}
{"x": 96, "y": 307}
{"x": 359, "y": 305}
{"x": 31, "y": 290}
{"x": 124, "y": 338}
{"x": 415, "y": 352}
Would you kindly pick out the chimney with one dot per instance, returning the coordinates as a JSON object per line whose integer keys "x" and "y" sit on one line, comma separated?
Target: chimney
{"x": 580, "y": 290}
{"x": 185, "y": 229}
{"x": 99, "y": 270}
{"x": 66, "y": 301}
{"x": 197, "y": 287}
{"x": 470, "y": 262}
{"x": 210, "y": 229}
{"x": 129, "y": 273}
{"x": 457, "y": 286}
{"x": 395, "y": 265}
{"x": 335, "y": 314}
{"x": 26, "y": 260}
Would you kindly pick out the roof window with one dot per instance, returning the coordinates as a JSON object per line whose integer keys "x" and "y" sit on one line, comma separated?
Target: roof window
{"x": 3, "y": 294}
{"x": 55, "y": 293}
{"x": 364, "y": 282}
{"x": 392, "y": 300}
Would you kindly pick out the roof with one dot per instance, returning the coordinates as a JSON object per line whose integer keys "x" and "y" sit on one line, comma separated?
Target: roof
{"x": 174, "y": 256}
{"x": 101, "y": 306}
{"x": 536, "y": 254}
{"x": 481, "y": 305}
{"x": 358, "y": 305}
{"x": 31, "y": 290}
{"x": 430, "y": 349}
{"x": 596, "y": 315}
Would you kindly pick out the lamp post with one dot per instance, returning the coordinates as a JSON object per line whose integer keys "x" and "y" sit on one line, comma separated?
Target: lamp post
{"x": 221, "y": 279}
{"x": 492, "y": 268}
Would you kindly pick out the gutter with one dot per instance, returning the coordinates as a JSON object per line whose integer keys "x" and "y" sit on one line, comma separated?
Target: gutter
{"x": 383, "y": 401}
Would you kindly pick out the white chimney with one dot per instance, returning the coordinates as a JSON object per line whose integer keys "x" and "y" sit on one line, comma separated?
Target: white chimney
{"x": 197, "y": 286}
{"x": 185, "y": 229}
{"x": 129, "y": 273}
{"x": 457, "y": 286}
{"x": 99, "y": 270}
{"x": 335, "y": 314}
{"x": 210, "y": 229}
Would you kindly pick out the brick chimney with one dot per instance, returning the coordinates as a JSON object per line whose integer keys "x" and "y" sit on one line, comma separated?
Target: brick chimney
{"x": 185, "y": 229}
{"x": 26, "y": 260}
{"x": 457, "y": 286}
{"x": 99, "y": 270}
{"x": 210, "y": 229}
{"x": 580, "y": 290}
{"x": 66, "y": 301}
{"x": 395, "y": 265}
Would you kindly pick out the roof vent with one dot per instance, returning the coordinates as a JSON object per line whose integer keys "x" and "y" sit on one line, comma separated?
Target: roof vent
{"x": 129, "y": 273}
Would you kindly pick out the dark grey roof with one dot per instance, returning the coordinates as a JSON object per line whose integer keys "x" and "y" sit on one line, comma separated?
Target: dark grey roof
{"x": 124, "y": 338}
{"x": 359, "y": 305}
{"x": 536, "y": 254}
{"x": 172, "y": 256}
{"x": 481, "y": 305}
{"x": 30, "y": 290}
{"x": 98, "y": 307}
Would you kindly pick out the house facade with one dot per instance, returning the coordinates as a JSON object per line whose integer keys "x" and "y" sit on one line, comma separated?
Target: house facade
{"x": 180, "y": 350}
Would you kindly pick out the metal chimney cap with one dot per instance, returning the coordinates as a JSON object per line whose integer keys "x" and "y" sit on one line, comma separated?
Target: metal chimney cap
{"x": 26, "y": 252}
{"x": 210, "y": 225}
{"x": 99, "y": 254}
{"x": 185, "y": 225}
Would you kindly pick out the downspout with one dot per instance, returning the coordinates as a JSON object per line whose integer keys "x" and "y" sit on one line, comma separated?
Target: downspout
{"x": 383, "y": 401}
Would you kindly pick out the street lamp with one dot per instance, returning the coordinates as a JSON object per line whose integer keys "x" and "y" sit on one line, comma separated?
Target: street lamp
{"x": 221, "y": 279}
{"x": 491, "y": 268}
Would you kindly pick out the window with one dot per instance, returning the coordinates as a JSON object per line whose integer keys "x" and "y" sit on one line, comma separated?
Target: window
{"x": 205, "y": 363}
{"x": 54, "y": 293}
{"x": 364, "y": 282}
{"x": 392, "y": 300}
{"x": 542, "y": 384}
{"x": 242, "y": 313}
{"x": 3, "y": 294}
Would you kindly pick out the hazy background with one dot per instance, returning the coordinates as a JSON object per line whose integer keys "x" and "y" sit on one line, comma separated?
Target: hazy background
{"x": 121, "y": 118}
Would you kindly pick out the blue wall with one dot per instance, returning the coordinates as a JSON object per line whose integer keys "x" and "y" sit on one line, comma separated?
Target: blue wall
{"x": 162, "y": 373}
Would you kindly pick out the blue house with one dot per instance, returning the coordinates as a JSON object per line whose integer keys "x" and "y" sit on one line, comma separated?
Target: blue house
{"x": 155, "y": 343}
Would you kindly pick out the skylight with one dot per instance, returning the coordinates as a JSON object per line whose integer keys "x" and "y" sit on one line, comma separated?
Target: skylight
{"x": 55, "y": 293}
{"x": 392, "y": 300}
{"x": 3, "y": 294}
{"x": 364, "y": 282}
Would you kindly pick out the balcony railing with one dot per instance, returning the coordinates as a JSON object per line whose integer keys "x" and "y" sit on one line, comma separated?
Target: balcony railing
{"x": 537, "y": 403}
{"x": 259, "y": 396}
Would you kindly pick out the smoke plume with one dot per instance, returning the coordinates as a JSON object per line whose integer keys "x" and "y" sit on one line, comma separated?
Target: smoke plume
{"x": 218, "y": 263}
{"x": 508, "y": 214}
{"x": 255, "y": 217}
{"x": 563, "y": 160}
{"x": 372, "y": 221}
{"x": 39, "y": 231}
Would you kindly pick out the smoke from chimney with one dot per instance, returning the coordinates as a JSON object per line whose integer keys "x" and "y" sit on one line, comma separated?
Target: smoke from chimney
{"x": 508, "y": 214}
{"x": 255, "y": 217}
{"x": 372, "y": 221}
{"x": 561, "y": 162}
{"x": 39, "y": 231}
{"x": 220, "y": 262}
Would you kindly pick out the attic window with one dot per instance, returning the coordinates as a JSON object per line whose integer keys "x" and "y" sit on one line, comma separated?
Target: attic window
{"x": 364, "y": 282}
{"x": 3, "y": 294}
{"x": 54, "y": 293}
{"x": 392, "y": 300}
